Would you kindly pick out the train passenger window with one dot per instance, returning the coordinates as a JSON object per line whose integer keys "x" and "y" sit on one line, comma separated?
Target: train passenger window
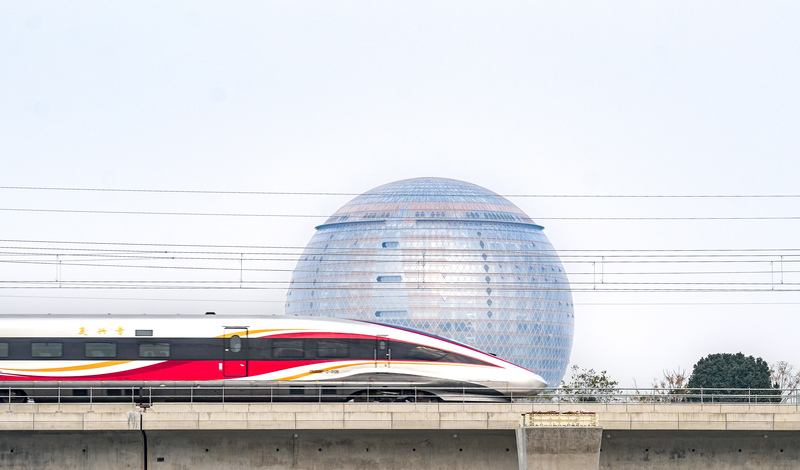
{"x": 332, "y": 349}
{"x": 144, "y": 332}
{"x": 362, "y": 349}
{"x": 47, "y": 349}
{"x": 287, "y": 349}
{"x": 259, "y": 349}
{"x": 154, "y": 350}
{"x": 101, "y": 350}
{"x": 3, "y": 349}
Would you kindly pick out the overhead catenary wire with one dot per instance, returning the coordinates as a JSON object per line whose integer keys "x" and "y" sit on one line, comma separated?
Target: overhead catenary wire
{"x": 283, "y": 301}
{"x": 30, "y": 244}
{"x": 452, "y": 257}
{"x": 117, "y": 255}
{"x": 177, "y": 258}
{"x": 614, "y": 250}
{"x": 246, "y": 286}
{"x": 335, "y": 271}
{"x": 498, "y": 287}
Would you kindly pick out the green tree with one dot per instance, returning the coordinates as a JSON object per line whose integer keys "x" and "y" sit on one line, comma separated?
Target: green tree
{"x": 587, "y": 385}
{"x": 731, "y": 374}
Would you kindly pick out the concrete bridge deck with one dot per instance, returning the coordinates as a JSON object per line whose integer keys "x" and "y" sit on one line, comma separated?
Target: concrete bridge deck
{"x": 387, "y": 416}
{"x": 358, "y": 436}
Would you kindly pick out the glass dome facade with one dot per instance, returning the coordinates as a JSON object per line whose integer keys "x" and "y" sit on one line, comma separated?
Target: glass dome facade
{"x": 447, "y": 257}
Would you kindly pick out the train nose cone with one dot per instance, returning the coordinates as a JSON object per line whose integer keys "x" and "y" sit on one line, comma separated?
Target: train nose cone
{"x": 537, "y": 382}
{"x": 540, "y": 383}
{"x": 530, "y": 384}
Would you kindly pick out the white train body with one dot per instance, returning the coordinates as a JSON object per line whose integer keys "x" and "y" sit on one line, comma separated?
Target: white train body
{"x": 346, "y": 357}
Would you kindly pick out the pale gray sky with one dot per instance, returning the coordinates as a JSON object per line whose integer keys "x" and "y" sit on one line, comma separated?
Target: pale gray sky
{"x": 533, "y": 98}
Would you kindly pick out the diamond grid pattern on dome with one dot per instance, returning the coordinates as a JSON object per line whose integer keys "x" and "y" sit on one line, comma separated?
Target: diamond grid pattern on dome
{"x": 446, "y": 257}
{"x": 429, "y": 198}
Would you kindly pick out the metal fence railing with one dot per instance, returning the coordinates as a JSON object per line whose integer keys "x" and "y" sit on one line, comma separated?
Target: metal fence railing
{"x": 679, "y": 395}
{"x": 145, "y": 393}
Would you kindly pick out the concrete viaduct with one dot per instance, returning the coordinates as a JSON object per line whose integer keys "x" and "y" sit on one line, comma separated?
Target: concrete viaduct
{"x": 364, "y": 436}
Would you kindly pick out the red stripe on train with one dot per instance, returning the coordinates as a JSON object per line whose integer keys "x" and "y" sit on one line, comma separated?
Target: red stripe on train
{"x": 174, "y": 371}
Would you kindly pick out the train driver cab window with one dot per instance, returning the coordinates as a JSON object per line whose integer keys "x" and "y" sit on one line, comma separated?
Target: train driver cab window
{"x": 3, "y": 349}
{"x": 333, "y": 349}
{"x": 425, "y": 353}
{"x": 47, "y": 349}
{"x": 287, "y": 349}
{"x": 100, "y": 350}
{"x": 155, "y": 350}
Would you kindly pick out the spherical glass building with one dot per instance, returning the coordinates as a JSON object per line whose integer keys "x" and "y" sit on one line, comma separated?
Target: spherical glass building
{"x": 446, "y": 257}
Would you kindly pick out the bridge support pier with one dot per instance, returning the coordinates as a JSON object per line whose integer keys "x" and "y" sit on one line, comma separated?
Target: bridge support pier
{"x": 559, "y": 448}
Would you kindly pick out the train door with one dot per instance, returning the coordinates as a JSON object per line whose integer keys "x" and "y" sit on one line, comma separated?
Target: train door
{"x": 234, "y": 354}
{"x": 383, "y": 352}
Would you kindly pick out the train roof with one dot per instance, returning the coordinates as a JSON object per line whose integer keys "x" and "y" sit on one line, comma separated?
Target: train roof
{"x": 151, "y": 315}
{"x": 176, "y": 325}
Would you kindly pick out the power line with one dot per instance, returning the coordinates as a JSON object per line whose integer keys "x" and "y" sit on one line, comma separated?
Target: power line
{"x": 144, "y": 299}
{"x": 115, "y": 255}
{"x": 524, "y": 256}
{"x": 499, "y": 288}
{"x": 329, "y": 271}
{"x": 199, "y": 214}
{"x": 311, "y": 193}
{"x": 283, "y": 301}
{"x": 137, "y": 256}
{"x": 266, "y": 247}
{"x": 313, "y": 216}
{"x": 247, "y": 287}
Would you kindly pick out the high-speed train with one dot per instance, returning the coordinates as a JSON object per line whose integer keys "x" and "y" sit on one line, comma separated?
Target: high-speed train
{"x": 293, "y": 356}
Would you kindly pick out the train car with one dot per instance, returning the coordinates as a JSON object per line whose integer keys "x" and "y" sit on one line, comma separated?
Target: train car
{"x": 244, "y": 356}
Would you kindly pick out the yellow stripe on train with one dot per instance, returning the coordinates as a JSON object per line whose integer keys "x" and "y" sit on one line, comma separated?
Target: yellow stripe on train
{"x": 96, "y": 365}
